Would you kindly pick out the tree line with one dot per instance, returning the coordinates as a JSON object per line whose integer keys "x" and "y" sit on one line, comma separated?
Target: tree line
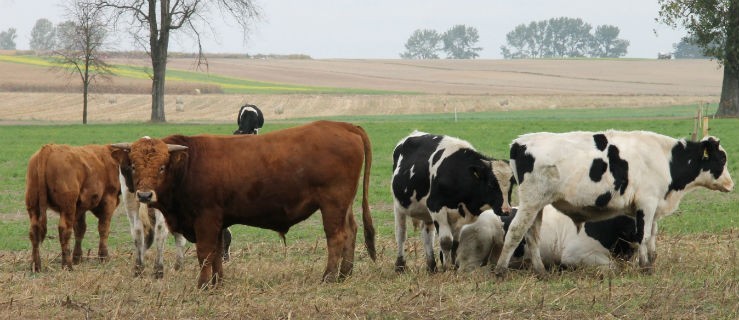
{"x": 457, "y": 43}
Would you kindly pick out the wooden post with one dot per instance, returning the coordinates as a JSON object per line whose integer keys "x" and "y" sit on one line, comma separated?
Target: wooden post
{"x": 705, "y": 126}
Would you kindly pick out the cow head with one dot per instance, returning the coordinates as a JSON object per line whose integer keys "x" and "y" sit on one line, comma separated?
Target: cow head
{"x": 148, "y": 161}
{"x": 494, "y": 185}
{"x": 714, "y": 172}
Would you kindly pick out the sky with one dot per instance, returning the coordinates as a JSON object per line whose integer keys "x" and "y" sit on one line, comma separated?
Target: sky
{"x": 378, "y": 29}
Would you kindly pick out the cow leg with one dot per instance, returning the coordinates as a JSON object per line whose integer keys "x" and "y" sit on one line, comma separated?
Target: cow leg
{"x": 104, "y": 215}
{"x": 347, "y": 261}
{"x": 179, "y": 242}
{"x": 532, "y": 245}
{"x": 66, "y": 225}
{"x": 334, "y": 225}
{"x": 208, "y": 234}
{"x": 137, "y": 231}
{"x": 80, "y": 227}
{"x": 519, "y": 227}
{"x": 652, "y": 245}
{"x": 37, "y": 233}
{"x": 218, "y": 260}
{"x": 446, "y": 240}
{"x": 400, "y": 237}
{"x": 226, "y": 235}
{"x": 428, "y": 233}
{"x": 645, "y": 212}
{"x": 160, "y": 236}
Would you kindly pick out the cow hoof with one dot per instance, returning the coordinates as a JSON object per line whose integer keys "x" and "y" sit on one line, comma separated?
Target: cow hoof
{"x": 648, "y": 269}
{"x": 159, "y": 274}
{"x": 138, "y": 271}
{"x": 76, "y": 259}
{"x": 178, "y": 266}
{"x": 500, "y": 272}
{"x": 400, "y": 265}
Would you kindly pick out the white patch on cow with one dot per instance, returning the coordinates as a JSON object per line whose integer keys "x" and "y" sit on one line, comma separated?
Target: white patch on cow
{"x": 450, "y": 145}
{"x": 411, "y": 170}
{"x": 247, "y": 109}
{"x": 146, "y": 137}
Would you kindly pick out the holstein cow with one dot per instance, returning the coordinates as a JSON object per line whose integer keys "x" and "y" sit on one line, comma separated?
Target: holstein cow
{"x": 250, "y": 119}
{"x": 597, "y": 175}
{"x": 562, "y": 244}
{"x": 438, "y": 179}
{"x": 147, "y": 227}
{"x": 201, "y": 186}
{"x": 71, "y": 181}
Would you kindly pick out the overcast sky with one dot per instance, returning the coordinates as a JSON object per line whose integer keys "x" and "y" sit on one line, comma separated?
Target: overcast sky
{"x": 379, "y": 29}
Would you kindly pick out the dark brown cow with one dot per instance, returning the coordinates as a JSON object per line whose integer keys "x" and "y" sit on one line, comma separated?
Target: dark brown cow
{"x": 71, "y": 180}
{"x": 205, "y": 183}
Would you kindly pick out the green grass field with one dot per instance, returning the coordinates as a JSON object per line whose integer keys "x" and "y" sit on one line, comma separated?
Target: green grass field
{"x": 696, "y": 275}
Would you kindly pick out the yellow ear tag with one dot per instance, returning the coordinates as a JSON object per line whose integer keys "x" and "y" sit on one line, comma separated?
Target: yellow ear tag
{"x": 476, "y": 175}
{"x": 705, "y": 153}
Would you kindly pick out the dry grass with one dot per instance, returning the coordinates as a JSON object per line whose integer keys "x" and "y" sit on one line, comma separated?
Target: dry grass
{"x": 696, "y": 277}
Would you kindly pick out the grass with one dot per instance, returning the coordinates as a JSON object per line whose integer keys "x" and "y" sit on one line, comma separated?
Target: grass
{"x": 697, "y": 275}
{"x": 227, "y": 84}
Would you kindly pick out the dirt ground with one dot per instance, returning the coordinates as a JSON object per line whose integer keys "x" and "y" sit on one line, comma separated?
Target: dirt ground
{"x": 445, "y": 86}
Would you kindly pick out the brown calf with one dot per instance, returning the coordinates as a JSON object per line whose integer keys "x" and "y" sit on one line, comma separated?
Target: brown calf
{"x": 71, "y": 180}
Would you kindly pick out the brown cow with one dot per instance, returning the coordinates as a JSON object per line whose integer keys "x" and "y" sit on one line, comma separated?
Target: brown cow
{"x": 205, "y": 183}
{"x": 71, "y": 180}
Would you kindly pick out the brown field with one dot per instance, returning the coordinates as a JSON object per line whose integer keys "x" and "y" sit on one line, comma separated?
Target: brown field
{"x": 446, "y": 86}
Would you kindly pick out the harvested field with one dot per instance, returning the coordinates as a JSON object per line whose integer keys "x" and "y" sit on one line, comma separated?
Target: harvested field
{"x": 442, "y": 86}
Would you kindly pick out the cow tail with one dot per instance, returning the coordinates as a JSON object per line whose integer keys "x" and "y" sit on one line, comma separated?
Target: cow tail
{"x": 369, "y": 229}
{"x": 36, "y": 189}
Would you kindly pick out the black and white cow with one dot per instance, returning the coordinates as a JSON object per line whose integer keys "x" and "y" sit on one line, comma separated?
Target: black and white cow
{"x": 250, "y": 119}
{"x": 438, "y": 179}
{"x": 562, "y": 244}
{"x": 597, "y": 175}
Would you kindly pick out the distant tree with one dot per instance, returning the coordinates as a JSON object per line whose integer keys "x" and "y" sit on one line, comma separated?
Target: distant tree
{"x": 459, "y": 42}
{"x": 423, "y": 44}
{"x": 606, "y": 43}
{"x": 714, "y": 26}
{"x": 82, "y": 41}
{"x": 562, "y": 38}
{"x": 65, "y": 35}
{"x": 152, "y": 22}
{"x": 687, "y": 49}
{"x": 7, "y": 39}
{"x": 42, "y": 35}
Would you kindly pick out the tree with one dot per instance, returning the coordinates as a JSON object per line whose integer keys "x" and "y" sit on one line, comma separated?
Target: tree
{"x": 42, "y": 35}
{"x": 606, "y": 43}
{"x": 687, "y": 49}
{"x": 154, "y": 21}
{"x": 459, "y": 42}
{"x": 64, "y": 33}
{"x": 423, "y": 44}
{"x": 81, "y": 44}
{"x": 714, "y": 26}
{"x": 563, "y": 38}
{"x": 7, "y": 39}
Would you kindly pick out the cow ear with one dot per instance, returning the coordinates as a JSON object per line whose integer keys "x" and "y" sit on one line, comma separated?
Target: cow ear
{"x": 120, "y": 155}
{"x": 177, "y": 158}
{"x": 709, "y": 147}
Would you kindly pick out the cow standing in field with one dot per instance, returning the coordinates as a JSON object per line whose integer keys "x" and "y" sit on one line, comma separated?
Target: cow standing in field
{"x": 200, "y": 186}
{"x": 71, "y": 181}
{"x": 438, "y": 180}
{"x": 597, "y": 175}
{"x": 562, "y": 244}
{"x": 250, "y": 120}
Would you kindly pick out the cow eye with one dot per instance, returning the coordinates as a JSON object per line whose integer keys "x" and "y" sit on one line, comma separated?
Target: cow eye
{"x": 161, "y": 170}
{"x": 133, "y": 167}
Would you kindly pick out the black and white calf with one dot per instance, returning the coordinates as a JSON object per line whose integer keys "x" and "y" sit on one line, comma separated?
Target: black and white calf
{"x": 250, "y": 119}
{"x": 597, "y": 175}
{"x": 438, "y": 180}
{"x": 562, "y": 244}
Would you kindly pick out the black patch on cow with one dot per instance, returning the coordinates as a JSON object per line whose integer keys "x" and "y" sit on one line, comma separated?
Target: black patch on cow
{"x": 597, "y": 169}
{"x": 616, "y": 234}
{"x": 524, "y": 161}
{"x": 436, "y": 225}
{"x": 437, "y": 156}
{"x": 249, "y": 122}
{"x": 603, "y": 199}
{"x": 465, "y": 177}
{"x": 519, "y": 252}
{"x": 415, "y": 152}
{"x": 619, "y": 169}
{"x": 601, "y": 142}
{"x": 688, "y": 161}
{"x": 639, "y": 226}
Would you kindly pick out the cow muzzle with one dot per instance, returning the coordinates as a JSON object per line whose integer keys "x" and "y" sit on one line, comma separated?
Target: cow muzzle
{"x": 146, "y": 196}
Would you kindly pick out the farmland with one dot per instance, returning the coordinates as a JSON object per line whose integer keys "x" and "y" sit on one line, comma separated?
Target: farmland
{"x": 696, "y": 274}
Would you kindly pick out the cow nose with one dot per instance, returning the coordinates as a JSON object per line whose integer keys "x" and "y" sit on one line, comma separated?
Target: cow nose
{"x": 144, "y": 196}
{"x": 506, "y": 209}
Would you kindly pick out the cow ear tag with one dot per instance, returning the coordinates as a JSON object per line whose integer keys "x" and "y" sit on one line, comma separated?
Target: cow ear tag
{"x": 705, "y": 153}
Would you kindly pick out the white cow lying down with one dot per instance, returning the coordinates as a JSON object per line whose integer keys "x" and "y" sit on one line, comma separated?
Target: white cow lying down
{"x": 561, "y": 244}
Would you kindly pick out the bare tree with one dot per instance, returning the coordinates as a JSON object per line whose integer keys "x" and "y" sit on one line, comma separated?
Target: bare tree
{"x": 81, "y": 44}
{"x": 153, "y": 21}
